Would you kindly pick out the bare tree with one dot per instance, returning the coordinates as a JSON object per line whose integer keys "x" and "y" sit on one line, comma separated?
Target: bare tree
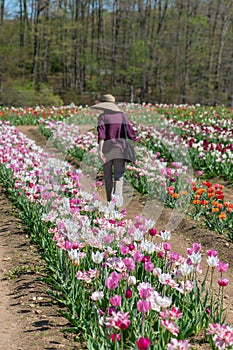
{"x": 2, "y": 9}
{"x": 141, "y": 50}
{"x": 40, "y": 54}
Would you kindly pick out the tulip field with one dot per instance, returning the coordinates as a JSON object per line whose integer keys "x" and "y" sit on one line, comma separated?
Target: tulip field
{"x": 118, "y": 281}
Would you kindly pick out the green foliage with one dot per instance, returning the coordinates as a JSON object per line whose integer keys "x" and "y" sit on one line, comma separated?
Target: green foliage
{"x": 166, "y": 51}
{"x": 19, "y": 94}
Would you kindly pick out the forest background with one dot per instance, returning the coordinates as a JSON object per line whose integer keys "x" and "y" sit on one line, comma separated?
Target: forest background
{"x": 55, "y": 52}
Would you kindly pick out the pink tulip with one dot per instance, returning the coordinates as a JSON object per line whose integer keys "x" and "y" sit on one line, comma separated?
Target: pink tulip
{"x": 143, "y": 306}
{"x": 108, "y": 239}
{"x": 170, "y": 326}
{"x": 173, "y": 314}
{"x": 145, "y": 293}
{"x": 120, "y": 223}
{"x": 167, "y": 246}
{"x": 149, "y": 266}
{"x": 68, "y": 245}
{"x": 138, "y": 256}
{"x": 160, "y": 255}
{"x": 196, "y": 248}
{"x": 222, "y": 335}
{"x": 113, "y": 280}
{"x": 121, "y": 320}
{"x": 178, "y": 344}
{"x": 110, "y": 310}
{"x": 212, "y": 253}
{"x": 115, "y": 337}
{"x": 222, "y": 267}
{"x": 143, "y": 343}
{"x": 124, "y": 249}
{"x": 223, "y": 282}
{"x": 115, "y": 300}
{"x": 174, "y": 256}
{"x": 152, "y": 232}
{"x": 129, "y": 263}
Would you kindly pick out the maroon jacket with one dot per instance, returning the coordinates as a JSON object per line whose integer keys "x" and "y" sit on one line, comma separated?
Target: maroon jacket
{"x": 113, "y": 131}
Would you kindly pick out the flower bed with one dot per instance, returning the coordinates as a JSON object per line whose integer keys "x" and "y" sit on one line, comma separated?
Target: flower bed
{"x": 160, "y": 176}
{"x": 121, "y": 284}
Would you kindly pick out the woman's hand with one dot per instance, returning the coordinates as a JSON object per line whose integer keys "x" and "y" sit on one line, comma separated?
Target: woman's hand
{"x": 102, "y": 157}
{"x": 145, "y": 153}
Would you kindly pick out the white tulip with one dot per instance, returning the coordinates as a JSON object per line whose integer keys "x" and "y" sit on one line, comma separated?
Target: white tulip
{"x": 97, "y": 257}
{"x": 132, "y": 280}
{"x": 97, "y": 295}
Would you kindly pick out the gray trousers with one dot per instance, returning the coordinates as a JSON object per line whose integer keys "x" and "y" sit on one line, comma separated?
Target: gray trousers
{"x": 113, "y": 176}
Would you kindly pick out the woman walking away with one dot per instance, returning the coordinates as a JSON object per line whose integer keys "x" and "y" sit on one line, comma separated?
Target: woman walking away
{"x": 113, "y": 129}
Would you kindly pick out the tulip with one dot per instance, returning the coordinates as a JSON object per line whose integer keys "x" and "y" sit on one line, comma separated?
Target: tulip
{"x": 222, "y": 267}
{"x": 152, "y": 232}
{"x": 146, "y": 258}
{"x": 143, "y": 306}
{"x": 97, "y": 295}
{"x": 131, "y": 247}
{"x": 131, "y": 280}
{"x": 143, "y": 343}
{"x": 115, "y": 300}
{"x": 113, "y": 280}
{"x": 128, "y": 293}
{"x": 149, "y": 266}
{"x": 166, "y": 246}
{"x": 223, "y": 282}
{"x": 97, "y": 257}
{"x": 115, "y": 337}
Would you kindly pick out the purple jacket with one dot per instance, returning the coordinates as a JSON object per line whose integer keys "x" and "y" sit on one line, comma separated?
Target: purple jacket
{"x": 112, "y": 130}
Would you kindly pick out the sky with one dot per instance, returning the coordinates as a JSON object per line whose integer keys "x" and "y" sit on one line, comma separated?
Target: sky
{"x": 12, "y": 7}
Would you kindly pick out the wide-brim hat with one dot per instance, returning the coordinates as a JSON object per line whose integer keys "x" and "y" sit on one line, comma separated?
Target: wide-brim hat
{"x": 107, "y": 102}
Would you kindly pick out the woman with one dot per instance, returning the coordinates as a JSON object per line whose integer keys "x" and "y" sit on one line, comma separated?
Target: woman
{"x": 113, "y": 129}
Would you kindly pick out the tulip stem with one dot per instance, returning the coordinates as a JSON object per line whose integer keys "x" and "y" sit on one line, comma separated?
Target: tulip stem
{"x": 143, "y": 324}
{"x": 122, "y": 341}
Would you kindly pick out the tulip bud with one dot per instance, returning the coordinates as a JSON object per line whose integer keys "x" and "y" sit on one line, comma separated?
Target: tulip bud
{"x": 132, "y": 280}
{"x": 143, "y": 343}
{"x": 152, "y": 232}
{"x": 128, "y": 293}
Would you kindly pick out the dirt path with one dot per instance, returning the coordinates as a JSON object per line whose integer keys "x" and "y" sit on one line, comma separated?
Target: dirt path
{"x": 28, "y": 318}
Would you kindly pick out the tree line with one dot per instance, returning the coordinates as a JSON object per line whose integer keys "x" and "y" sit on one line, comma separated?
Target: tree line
{"x": 169, "y": 51}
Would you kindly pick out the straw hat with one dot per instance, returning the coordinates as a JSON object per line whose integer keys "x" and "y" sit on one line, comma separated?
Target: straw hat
{"x": 107, "y": 102}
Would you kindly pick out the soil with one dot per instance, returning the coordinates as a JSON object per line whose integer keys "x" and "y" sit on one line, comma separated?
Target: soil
{"x": 29, "y": 318}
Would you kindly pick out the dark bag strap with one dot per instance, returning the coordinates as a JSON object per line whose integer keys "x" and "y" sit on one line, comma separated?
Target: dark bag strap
{"x": 124, "y": 124}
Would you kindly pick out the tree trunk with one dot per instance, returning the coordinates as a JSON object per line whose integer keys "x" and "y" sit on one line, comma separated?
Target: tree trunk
{"x": 36, "y": 47}
{"x": 2, "y": 9}
{"x": 213, "y": 12}
{"x": 224, "y": 27}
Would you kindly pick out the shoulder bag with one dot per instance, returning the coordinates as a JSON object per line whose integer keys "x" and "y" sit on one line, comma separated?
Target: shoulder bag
{"x": 129, "y": 152}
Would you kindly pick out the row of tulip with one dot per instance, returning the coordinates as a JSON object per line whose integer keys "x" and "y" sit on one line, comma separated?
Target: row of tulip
{"x": 69, "y": 140}
{"x": 140, "y": 113}
{"x": 195, "y": 113}
{"x": 122, "y": 285}
{"x": 170, "y": 183}
{"x": 213, "y": 153}
{"x": 208, "y": 145}
{"x": 205, "y": 132}
{"x": 32, "y": 115}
